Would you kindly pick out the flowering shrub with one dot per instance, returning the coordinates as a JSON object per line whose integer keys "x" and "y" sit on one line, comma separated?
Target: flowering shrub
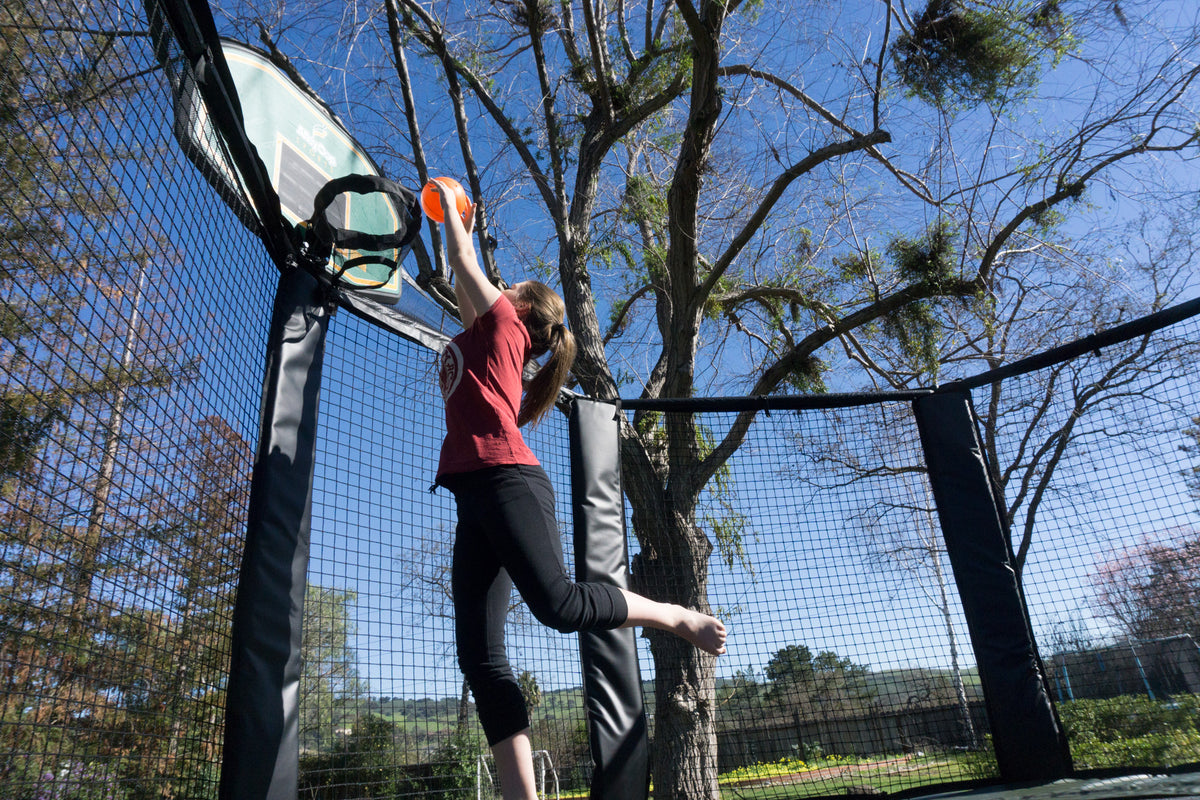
{"x": 78, "y": 781}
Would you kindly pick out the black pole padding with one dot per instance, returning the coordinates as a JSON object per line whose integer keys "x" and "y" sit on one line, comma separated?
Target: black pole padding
{"x": 612, "y": 681}
{"x": 1029, "y": 742}
{"x": 261, "y": 751}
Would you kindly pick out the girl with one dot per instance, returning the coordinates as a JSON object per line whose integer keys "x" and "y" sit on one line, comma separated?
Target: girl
{"x": 507, "y": 532}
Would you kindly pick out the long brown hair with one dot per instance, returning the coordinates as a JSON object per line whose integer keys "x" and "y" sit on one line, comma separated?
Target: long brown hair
{"x": 543, "y": 314}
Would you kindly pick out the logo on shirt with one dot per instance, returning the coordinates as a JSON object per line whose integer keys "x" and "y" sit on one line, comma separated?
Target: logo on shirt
{"x": 451, "y": 371}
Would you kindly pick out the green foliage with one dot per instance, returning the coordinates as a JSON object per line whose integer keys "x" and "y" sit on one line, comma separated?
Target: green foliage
{"x": 729, "y": 531}
{"x": 329, "y": 682}
{"x": 812, "y": 751}
{"x": 961, "y": 53}
{"x": 426, "y": 709}
{"x": 740, "y": 697}
{"x": 434, "y": 755}
{"x": 1165, "y": 749}
{"x": 791, "y": 663}
{"x": 651, "y": 430}
{"x": 617, "y": 312}
{"x": 807, "y": 377}
{"x": 728, "y": 525}
{"x": 818, "y": 683}
{"x": 980, "y": 764}
{"x": 24, "y": 423}
{"x": 664, "y": 70}
{"x": 915, "y": 329}
{"x": 1128, "y": 716}
{"x": 530, "y": 690}
{"x": 1047, "y": 221}
{"x": 857, "y": 266}
{"x": 148, "y": 722}
{"x": 715, "y": 305}
{"x": 853, "y": 777}
{"x": 930, "y": 260}
{"x": 1133, "y": 730}
{"x": 454, "y": 766}
{"x": 788, "y": 765}
{"x": 645, "y": 202}
{"x": 363, "y": 766}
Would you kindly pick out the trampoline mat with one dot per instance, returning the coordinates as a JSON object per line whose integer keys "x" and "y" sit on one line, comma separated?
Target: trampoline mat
{"x": 1145, "y": 787}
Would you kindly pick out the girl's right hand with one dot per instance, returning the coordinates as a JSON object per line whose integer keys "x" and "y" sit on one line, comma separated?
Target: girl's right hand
{"x": 446, "y": 196}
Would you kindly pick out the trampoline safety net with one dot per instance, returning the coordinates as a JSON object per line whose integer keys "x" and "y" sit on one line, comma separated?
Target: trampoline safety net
{"x": 134, "y": 310}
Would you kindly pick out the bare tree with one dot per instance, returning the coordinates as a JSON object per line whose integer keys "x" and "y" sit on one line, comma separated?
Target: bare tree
{"x": 427, "y": 586}
{"x": 1030, "y": 432}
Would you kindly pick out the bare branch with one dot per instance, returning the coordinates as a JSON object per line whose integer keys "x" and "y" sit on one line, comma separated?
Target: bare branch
{"x": 626, "y": 47}
{"x": 549, "y": 117}
{"x": 566, "y": 34}
{"x": 877, "y": 94}
{"x": 425, "y": 273}
{"x": 778, "y": 186}
{"x": 430, "y": 35}
{"x": 603, "y": 90}
{"x": 908, "y": 180}
{"x": 619, "y": 322}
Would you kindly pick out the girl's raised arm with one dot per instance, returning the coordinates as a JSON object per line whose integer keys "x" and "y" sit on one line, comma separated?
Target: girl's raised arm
{"x": 475, "y": 294}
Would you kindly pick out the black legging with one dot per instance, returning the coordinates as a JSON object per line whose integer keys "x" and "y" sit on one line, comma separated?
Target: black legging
{"x": 507, "y": 533}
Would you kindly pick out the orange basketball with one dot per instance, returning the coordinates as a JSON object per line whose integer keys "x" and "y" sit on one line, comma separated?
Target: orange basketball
{"x": 433, "y": 205}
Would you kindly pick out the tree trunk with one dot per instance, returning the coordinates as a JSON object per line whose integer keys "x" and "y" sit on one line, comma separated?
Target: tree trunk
{"x": 684, "y": 762}
{"x": 960, "y": 690}
{"x": 464, "y": 709}
{"x": 673, "y": 568}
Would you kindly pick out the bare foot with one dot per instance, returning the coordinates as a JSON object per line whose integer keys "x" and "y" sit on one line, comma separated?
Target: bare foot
{"x": 705, "y": 632}
{"x": 701, "y": 630}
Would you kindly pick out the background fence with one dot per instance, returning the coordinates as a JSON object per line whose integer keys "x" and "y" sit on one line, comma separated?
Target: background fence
{"x": 133, "y": 321}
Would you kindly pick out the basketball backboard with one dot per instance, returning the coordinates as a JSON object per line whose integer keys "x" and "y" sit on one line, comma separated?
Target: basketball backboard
{"x": 303, "y": 147}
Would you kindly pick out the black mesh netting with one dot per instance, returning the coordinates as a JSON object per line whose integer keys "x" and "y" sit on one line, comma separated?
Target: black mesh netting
{"x": 133, "y": 321}
{"x": 1096, "y": 462}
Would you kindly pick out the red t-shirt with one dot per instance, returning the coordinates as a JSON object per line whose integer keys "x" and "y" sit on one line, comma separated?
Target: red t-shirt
{"x": 480, "y": 376}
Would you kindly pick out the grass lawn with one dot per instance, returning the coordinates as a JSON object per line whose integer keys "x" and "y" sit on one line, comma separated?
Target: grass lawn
{"x": 887, "y": 773}
{"x": 890, "y": 774}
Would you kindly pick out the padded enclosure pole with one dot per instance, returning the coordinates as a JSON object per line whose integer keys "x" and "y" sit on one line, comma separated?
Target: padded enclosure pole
{"x": 1026, "y": 735}
{"x": 612, "y": 681}
{"x": 262, "y": 704}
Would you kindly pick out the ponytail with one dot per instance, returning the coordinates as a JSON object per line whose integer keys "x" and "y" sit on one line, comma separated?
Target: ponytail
{"x": 547, "y": 333}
